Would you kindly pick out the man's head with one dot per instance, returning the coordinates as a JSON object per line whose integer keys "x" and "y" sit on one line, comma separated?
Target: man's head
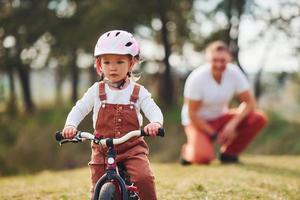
{"x": 218, "y": 55}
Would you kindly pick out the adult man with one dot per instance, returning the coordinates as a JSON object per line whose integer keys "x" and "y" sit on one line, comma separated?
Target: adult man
{"x": 205, "y": 113}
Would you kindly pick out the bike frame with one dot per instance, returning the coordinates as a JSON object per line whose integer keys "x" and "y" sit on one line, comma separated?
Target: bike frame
{"x": 112, "y": 175}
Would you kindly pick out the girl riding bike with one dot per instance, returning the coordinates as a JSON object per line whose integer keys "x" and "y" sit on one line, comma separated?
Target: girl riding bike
{"x": 115, "y": 184}
{"x": 116, "y": 102}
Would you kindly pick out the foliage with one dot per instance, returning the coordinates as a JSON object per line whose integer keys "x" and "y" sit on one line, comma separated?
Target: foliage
{"x": 34, "y": 147}
{"x": 279, "y": 137}
{"x": 58, "y": 22}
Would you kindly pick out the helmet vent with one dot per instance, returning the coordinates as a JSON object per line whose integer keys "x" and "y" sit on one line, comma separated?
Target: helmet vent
{"x": 128, "y": 44}
{"x": 108, "y": 34}
{"x": 117, "y": 33}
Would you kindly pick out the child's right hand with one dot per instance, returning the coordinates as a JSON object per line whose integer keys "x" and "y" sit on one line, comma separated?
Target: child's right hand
{"x": 69, "y": 132}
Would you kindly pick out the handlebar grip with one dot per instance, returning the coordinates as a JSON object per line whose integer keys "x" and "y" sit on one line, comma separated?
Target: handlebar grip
{"x": 143, "y": 133}
{"x": 161, "y": 132}
{"x": 58, "y": 136}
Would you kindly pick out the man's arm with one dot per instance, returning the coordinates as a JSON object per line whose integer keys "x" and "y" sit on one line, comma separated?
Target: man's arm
{"x": 246, "y": 106}
{"x": 200, "y": 124}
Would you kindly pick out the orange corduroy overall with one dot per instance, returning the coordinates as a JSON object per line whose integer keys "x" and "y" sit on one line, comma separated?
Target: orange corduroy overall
{"x": 113, "y": 121}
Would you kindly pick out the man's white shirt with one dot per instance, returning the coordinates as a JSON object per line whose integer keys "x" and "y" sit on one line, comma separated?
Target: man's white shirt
{"x": 215, "y": 97}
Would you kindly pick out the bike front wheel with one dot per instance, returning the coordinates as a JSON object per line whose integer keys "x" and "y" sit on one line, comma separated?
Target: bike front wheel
{"x": 108, "y": 192}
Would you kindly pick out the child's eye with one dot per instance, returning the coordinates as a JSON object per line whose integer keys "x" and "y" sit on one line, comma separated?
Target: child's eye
{"x": 106, "y": 62}
{"x": 120, "y": 62}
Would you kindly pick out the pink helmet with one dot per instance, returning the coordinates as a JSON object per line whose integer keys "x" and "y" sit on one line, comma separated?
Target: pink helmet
{"x": 117, "y": 42}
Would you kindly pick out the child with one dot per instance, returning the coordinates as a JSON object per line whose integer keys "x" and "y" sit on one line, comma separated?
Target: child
{"x": 116, "y": 102}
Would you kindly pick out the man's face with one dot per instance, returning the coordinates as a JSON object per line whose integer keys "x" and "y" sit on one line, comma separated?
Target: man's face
{"x": 219, "y": 60}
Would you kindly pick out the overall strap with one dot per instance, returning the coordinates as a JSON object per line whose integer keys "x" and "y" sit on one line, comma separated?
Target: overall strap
{"x": 135, "y": 93}
{"x": 102, "y": 94}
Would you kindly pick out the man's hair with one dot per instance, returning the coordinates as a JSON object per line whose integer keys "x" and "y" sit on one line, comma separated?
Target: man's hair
{"x": 217, "y": 46}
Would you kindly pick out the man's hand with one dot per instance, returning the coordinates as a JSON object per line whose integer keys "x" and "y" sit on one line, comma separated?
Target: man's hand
{"x": 69, "y": 132}
{"x": 152, "y": 128}
{"x": 228, "y": 134}
{"x": 213, "y": 136}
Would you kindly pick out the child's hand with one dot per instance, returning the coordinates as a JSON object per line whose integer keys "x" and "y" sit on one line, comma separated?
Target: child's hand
{"x": 69, "y": 132}
{"x": 152, "y": 128}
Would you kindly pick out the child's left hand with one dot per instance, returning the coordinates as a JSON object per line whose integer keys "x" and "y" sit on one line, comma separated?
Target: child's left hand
{"x": 152, "y": 128}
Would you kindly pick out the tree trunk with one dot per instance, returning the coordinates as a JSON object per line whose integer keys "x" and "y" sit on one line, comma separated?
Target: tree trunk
{"x": 75, "y": 79}
{"x": 24, "y": 76}
{"x": 167, "y": 87}
{"x": 257, "y": 84}
{"x": 232, "y": 7}
{"x": 12, "y": 106}
{"x": 58, "y": 85}
{"x": 93, "y": 75}
{"x": 240, "y": 7}
{"x": 23, "y": 71}
{"x": 228, "y": 11}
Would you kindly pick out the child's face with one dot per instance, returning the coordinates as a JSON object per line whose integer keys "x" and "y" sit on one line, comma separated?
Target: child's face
{"x": 115, "y": 67}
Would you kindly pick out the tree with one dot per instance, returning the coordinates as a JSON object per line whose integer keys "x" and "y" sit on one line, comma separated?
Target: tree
{"x": 17, "y": 22}
{"x": 94, "y": 16}
{"x": 167, "y": 87}
{"x": 8, "y": 66}
{"x": 233, "y": 11}
{"x": 279, "y": 19}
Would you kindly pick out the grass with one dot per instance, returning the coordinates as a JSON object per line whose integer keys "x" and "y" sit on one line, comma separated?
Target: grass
{"x": 258, "y": 177}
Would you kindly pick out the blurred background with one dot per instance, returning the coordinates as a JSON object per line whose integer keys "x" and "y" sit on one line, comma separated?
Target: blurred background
{"x": 46, "y": 64}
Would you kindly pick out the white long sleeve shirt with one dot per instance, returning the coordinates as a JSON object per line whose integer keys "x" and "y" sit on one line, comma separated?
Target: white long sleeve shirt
{"x": 91, "y": 101}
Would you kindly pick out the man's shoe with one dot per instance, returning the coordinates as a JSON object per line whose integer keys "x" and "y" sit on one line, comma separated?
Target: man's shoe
{"x": 227, "y": 159}
{"x": 184, "y": 162}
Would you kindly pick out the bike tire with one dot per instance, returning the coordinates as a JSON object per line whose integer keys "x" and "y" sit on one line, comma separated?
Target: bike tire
{"x": 108, "y": 192}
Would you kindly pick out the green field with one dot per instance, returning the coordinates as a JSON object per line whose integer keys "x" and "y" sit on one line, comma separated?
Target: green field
{"x": 258, "y": 177}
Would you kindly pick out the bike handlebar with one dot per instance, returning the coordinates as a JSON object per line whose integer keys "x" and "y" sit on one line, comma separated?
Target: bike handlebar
{"x": 81, "y": 136}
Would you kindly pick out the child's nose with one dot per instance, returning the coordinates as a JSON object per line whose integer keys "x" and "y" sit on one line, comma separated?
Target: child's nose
{"x": 112, "y": 67}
